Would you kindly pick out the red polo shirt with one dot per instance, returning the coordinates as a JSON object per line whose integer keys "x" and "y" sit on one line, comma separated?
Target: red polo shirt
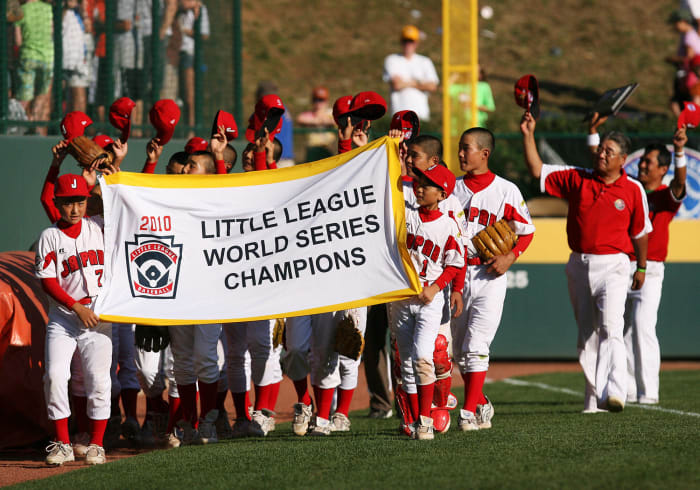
{"x": 602, "y": 217}
{"x": 663, "y": 206}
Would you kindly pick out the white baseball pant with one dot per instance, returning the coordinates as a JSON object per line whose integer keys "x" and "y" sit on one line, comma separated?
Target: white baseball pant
{"x": 350, "y": 367}
{"x": 123, "y": 356}
{"x": 195, "y": 353}
{"x": 222, "y": 354}
{"x": 474, "y": 330}
{"x": 598, "y": 290}
{"x": 251, "y": 351}
{"x": 152, "y": 369}
{"x": 295, "y": 361}
{"x": 65, "y": 334}
{"x": 643, "y": 353}
{"x": 415, "y": 327}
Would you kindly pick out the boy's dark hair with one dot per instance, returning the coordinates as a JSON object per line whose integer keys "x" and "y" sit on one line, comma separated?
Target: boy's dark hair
{"x": 622, "y": 141}
{"x": 230, "y": 155}
{"x": 431, "y": 145}
{"x": 209, "y": 162}
{"x": 277, "y": 152}
{"x": 664, "y": 157}
{"x": 68, "y": 199}
{"x": 484, "y": 138}
{"x": 179, "y": 157}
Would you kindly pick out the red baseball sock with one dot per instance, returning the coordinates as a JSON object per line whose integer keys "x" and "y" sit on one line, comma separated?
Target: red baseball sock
{"x": 344, "y": 399}
{"x": 129, "y": 398}
{"x": 262, "y": 396}
{"x": 97, "y": 431}
{"x": 80, "y": 412}
{"x": 273, "y": 393}
{"x": 207, "y": 396}
{"x": 61, "y": 428}
{"x": 188, "y": 400}
{"x": 473, "y": 389}
{"x": 413, "y": 401}
{"x": 221, "y": 401}
{"x": 302, "y": 388}
{"x": 174, "y": 412}
{"x": 241, "y": 402}
{"x": 324, "y": 400}
{"x": 425, "y": 399}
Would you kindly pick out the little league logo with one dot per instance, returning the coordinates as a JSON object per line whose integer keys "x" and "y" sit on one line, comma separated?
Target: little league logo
{"x": 153, "y": 266}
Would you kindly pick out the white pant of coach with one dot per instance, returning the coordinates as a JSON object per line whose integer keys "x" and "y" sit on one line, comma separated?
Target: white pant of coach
{"x": 598, "y": 289}
{"x": 643, "y": 353}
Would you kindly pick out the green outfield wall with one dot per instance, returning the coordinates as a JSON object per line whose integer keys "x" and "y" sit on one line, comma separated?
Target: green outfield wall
{"x": 537, "y": 323}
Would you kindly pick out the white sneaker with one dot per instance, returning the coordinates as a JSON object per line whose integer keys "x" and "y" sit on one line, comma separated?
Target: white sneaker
{"x": 207, "y": 428}
{"x": 322, "y": 427}
{"x": 95, "y": 455}
{"x": 484, "y": 414}
{"x": 172, "y": 440}
{"x": 240, "y": 428}
{"x": 645, "y": 400}
{"x": 59, "y": 453}
{"x": 339, "y": 423}
{"x": 262, "y": 423}
{"x": 223, "y": 427}
{"x": 81, "y": 441}
{"x": 424, "y": 429}
{"x": 302, "y": 417}
{"x": 467, "y": 421}
{"x": 615, "y": 404}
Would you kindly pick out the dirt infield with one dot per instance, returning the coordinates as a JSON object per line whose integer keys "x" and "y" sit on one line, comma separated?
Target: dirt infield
{"x": 28, "y": 464}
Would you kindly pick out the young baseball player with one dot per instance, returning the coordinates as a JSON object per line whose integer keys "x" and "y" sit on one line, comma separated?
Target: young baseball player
{"x": 485, "y": 199}
{"x": 70, "y": 263}
{"x": 436, "y": 252}
{"x": 608, "y": 213}
{"x": 643, "y": 353}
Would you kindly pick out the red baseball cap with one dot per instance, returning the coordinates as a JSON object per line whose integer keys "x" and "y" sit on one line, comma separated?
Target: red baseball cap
{"x": 268, "y": 114}
{"x": 196, "y": 144}
{"x": 689, "y": 116}
{"x": 103, "y": 140}
{"x": 407, "y": 122}
{"x": 367, "y": 106}
{"x": 440, "y": 176}
{"x": 164, "y": 116}
{"x": 74, "y": 124}
{"x": 225, "y": 119}
{"x": 341, "y": 109}
{"x": 71, "y": 185}
{"x": 527, "y": 95}
{"x": 120, "y": 116}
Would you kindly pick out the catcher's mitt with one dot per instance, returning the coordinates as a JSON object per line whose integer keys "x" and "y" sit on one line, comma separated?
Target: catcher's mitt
{"x": 278, "y": 332}
{"x": 151, "y": 338}
{"x": 495, "y": 239}
{"x": 86, "y": 152}
{"x": 349, "y": 341}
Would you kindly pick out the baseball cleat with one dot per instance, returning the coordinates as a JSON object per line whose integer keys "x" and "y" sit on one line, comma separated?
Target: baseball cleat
{"x": 207, "y": 428}
{"x": 424, "y": 429}
{"x": 113, "y": 431}
{"x": 189, "y": 433}
{"x": 95, "y": 455}
{"x": 484, "y": 414}
{"x": 172, "y": 440}
{"x": 223, "y": 427}
{"x": 131, "y": 430}
{"x": 340, "y": 423}
{"x": 148, "y": 434}
{"x": 407, "y": 429}
{"x": 59, "y": 453}
{"x": 302, "y": 417}
{"x": 322, "y": 427}
{"x": 615, "y": 404}
{"x": 81, "y": 442}
{"x": 241, "y": 428}
{"x": 645, "y": 400}
{"x": 262, "y": 422}
{"x": 467, "y": 421}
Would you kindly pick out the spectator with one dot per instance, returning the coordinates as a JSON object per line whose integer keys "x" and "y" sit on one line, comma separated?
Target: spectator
{"x": 34, "y": 37}
{"x": 411, "y": 76}
{"x": 191, "y": 11}
{"x": 688, "y": 47}
{"x": 13, "y": 11}
{"x": 320, "y": 117}
{"x": 694, "y": 7}
{"x": 460, "y": 93}
{"x": 286, "y": 135}
{"x": 94, "y": 17}
{"x": 76, "y": 70}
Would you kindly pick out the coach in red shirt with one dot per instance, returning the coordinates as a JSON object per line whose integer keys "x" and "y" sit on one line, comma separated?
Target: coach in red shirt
{"x": 607, "y": 216}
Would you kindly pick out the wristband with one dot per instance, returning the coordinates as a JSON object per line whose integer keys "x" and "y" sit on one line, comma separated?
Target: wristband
{"x": 593, "y": 139}
{"x": 642, "y": 269}
{"x": 679, "y": 160}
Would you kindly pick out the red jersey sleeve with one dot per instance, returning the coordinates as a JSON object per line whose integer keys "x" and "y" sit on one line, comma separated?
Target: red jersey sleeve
{"x": 272, "y": 166}
{"x": 639, "y": 221}
{"x": 260, "y": 160}
{"x": 344, "y": 145}
{"x": 47, "y": 194}
{"x": 558, "y": 180}
{"x": 53, "y": 289}
{"x": 149, "y": 167}
{"x": 220, "y": 167}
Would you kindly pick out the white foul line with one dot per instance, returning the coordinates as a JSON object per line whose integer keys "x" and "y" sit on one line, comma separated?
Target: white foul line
{"x": 556, "y": 389}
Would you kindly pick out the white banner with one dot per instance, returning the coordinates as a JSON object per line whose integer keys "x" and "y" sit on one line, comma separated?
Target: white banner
{"x": 317, "y": 237}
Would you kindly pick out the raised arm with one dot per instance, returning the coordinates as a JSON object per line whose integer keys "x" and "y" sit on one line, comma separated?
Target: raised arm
{"x": 532, "y": 157}
{"x": 679, "y": 159}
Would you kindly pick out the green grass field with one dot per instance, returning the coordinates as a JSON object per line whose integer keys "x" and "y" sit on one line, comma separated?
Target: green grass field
{"x": 539, "y": 440}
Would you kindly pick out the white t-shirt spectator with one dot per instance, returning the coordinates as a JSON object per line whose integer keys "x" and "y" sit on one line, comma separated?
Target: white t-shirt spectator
{"x": 419, "y": 68}
{"x": 693, "y": 6}
{"x": 73, "y": 41}
{"x": 186, "y": 20}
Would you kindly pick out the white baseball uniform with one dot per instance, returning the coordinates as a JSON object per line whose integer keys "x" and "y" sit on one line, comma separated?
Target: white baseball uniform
{"x": 77, "y": 264}
{"x": 484, "y": 199}
{"x": 195, "y": 352}
{"x": 152, "y": 369}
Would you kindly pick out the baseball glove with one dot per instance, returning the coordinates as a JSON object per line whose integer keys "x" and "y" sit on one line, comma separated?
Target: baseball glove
{"x": 495, "y": 239}
{"x": 349, "y": 341}
{"x": 151, "y": 338}
{"x": 86, "y": 152}
{"x": 278, "y": 332}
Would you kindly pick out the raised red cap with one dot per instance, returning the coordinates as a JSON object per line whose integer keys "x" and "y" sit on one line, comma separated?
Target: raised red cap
{"x": 196, "y": 144}
{"x": 341, "y": 109}
{"x": 164, "y": 116}
{"x": 689, "y": 116}
{"x": 120, "y": 116}
{"x": 367, "y": 106}
{"x": 440, "y": 176}
{"x": 268, "y": 114}
{"x": 407, "y": 122}
{"x": 74, "y": 124}
{"x": 527, "y": 95}
{"x": 225, "y": 119}
{"x": 71, "y": 185}
{"x": 103, "y": 140}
